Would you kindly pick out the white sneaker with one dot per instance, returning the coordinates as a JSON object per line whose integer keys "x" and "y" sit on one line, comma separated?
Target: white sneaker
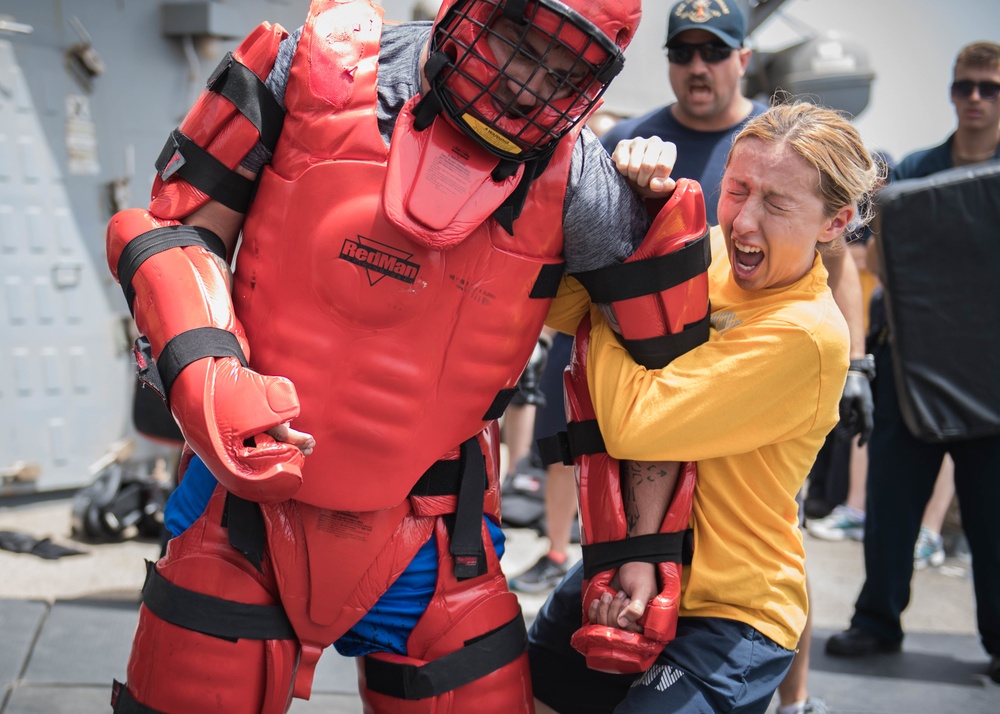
{"x": 844, "y": 523}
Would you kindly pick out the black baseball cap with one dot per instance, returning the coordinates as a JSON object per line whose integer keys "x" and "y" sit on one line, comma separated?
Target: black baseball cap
{"x": 723, "y": 19}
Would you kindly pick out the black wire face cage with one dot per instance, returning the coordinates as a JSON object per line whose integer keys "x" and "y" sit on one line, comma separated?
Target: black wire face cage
{"x": 557, "y": 61}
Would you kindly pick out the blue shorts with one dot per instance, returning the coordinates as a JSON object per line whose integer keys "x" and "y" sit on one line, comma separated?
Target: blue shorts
{"x": 188, "y": 500}
{"x": 384, "y": 628}
{"x": 713, "y": 665}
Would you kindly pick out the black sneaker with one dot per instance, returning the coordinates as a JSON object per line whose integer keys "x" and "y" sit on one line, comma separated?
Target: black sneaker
{"x": 856, "y": 642}
{"x": 543, "y": 575}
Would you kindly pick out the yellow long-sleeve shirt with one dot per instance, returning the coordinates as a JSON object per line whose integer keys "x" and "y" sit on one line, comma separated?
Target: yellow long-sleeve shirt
{"x": 752, "y": 406}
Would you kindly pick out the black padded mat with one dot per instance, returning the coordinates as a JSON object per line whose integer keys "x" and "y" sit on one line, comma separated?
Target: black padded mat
{"x": 82, "y": 645}
{"x": 33, "y": 699}
{"x": 19, "y": 623}
{"x": 939, "y": 243}
{"x": 84, "y": 642}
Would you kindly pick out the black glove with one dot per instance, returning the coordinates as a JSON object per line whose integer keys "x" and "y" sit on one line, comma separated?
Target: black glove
{"x": 529, "y": 385}
{"x": 857, "y": 407}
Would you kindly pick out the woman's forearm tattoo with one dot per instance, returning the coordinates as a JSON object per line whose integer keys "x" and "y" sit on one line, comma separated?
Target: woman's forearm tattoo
{"x": 636, "y": 475}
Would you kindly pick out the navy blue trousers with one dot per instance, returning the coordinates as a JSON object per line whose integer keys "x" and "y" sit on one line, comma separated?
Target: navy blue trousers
{"x": 901, "y": 474}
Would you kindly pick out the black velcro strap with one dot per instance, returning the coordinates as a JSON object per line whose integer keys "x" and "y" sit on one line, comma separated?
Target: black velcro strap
{"x": 213, "y": 616}
{"x": 148, "y": 244}
{"x": 238, "y": 83}
{"x": 658, "y": 352}
{"x": 437, "y": 61}
{"x": 652, "y": 548}
{"x": 499, "y": 405}
{"x": 476, "y": 659}
{"x": 193, "y": 345}
{"x": 146, "y": 367}
{"x": 510, "y": 210}
{"x": 504, "y": 170}
{"x": 581, "y": 438}
{"x": 199, "y": 168}
{"x": 467, "y": 535}
{"x": 611, "y": 69}
{"x": 647, "y": 277}
{"x": 547, "y": 282}
{"x": 244, "y": 523}
{"x": 443, "y": 478}
{"x": 429, "y": 106}
{"x": 122, "y": 701}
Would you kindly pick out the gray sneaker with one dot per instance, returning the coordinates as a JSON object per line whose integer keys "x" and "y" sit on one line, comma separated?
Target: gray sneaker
{"x": 929, "y": 549}
{"x": 543, "y": 575}
{"x": 844, "y": 523}
{"x": 815, "y": 706}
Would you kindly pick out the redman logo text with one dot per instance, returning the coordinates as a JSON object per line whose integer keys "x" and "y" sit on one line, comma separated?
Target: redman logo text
{"x": 379, "y": 260}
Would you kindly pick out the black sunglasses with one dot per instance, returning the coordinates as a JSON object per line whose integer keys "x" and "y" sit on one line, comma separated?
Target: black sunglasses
{"x": 988, "y": 91}
{"x": 711, "y": 52}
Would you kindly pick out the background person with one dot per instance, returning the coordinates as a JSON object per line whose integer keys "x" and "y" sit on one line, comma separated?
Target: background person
{"x": 902, "y": 469}
{"x": 706, "y": 62}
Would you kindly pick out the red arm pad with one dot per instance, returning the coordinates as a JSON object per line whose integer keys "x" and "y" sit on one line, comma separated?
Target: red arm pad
{"x": 222, "y": 407}
{"x": 602, "y": 519}
{"x": 217, "y": 126}
{"x": 680, "y": 221}
{"x": 670, "y": 311}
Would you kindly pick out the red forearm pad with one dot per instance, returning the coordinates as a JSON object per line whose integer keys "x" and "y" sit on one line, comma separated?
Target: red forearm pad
{"x": 175, "y": 290}
{"x": 602, "y": 519}
{"x": 217, "y": 126}
{"x": 612, "y": 649}
{"x": 222, "y": 407}
{"x": 680, "y": 221}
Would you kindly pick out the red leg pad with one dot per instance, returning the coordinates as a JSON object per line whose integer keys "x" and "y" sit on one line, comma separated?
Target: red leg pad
{"x": 459, "y": 612}
{"x": 173, "y": 669}
{"x": 506, "y": 690}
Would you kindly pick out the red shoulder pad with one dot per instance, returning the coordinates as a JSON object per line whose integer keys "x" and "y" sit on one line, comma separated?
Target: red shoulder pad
{"x": 679, "y": 223}
{"x": 216, "y": 125}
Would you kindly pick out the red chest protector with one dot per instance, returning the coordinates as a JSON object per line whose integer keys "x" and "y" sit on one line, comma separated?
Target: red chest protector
{"x": 398, "y": 351}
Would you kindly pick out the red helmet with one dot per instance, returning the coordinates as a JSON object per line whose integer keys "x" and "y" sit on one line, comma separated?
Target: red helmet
{"x": 516, "y": 75}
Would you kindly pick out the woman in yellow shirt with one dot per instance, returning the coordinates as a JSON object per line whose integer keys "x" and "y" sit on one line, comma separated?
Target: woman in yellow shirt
{"x": 752, "y": 406}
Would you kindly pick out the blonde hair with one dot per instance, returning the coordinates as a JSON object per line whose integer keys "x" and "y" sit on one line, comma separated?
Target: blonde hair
{"x": 831, "y": 144}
